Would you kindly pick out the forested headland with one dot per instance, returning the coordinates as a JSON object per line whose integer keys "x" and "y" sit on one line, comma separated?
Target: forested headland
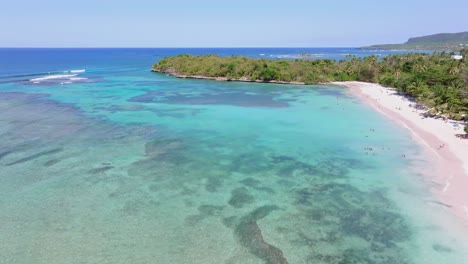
{"x": 441, "y": 41}
{"x": 436, "y": 80}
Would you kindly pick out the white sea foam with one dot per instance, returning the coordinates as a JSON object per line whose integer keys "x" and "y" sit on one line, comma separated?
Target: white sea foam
{"x": 51, "y": 77}
{"x": 77, "y": 71}
{"x": 300, "y": 56}
{"x": 78, "y": 79}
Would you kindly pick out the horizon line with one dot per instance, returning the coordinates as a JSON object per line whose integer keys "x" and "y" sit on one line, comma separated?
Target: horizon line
{"x": 242, "y": 47}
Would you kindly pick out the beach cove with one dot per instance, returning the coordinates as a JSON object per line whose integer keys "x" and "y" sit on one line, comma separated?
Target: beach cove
{"x": 116, "y": 164}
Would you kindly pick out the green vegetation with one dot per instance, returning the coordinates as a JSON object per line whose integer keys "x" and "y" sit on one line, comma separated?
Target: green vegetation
{"x": 437, "y": 81}
{"x": 443, "y": 41}
{"x": 466, "y": 129}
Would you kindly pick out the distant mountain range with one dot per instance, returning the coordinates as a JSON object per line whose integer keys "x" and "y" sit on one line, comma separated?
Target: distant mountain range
{"x": 442, "y": 41}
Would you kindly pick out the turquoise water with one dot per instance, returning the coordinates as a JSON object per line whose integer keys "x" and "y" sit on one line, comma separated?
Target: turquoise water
{"x": 126, "y": 166}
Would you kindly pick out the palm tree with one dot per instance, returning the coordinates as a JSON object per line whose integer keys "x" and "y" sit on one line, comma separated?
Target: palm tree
{"x": 454, "y": 70}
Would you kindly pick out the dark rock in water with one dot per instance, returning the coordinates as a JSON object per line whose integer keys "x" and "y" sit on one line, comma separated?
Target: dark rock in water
{"x": 117, "y": 108}
{"x": 261, "y": 212}
{"x": 305, "y": 196}
{"x": 257, "y": 245}
{"x": 288, "y": 165}
{"x": 285, "y": 183}
{"x": 250, "y": 236}
{"x": 265, "y": 189}
{"x": 4, "y": 154}
{"x": 283, "y": 158}
{"x": 235, "y": 98}
{"x": 353, "y": 256}
{"x": 391, "y": 228}
{"x": 251, "y": 182}
{"x": 441, "y": 248}
{"x": 35, "y": 156}
{"x": 229, "y": 221}
{"x": 206, "y": 211}
{"x": 321, "y": 258}
{"x": 344, "y": 211}
{"x": 246, "y": 164}
{"x": 213, "y": 184}
{"x": 349, "y": 256}
{"x": 240, "y": 197}
{"x": 335, "y": 167}
{"x": 23, "y": 96}
{"x": 157, "y": 147}
{"x": 52, "y": 162}
{"x": 100, "y": 170}
{"x": 257, "y": 185}
{"x": 316, "y": 214}
{"x": 303, "y": 239}
{"x": 210, "y": 210}
{"x": 193, "y": 219}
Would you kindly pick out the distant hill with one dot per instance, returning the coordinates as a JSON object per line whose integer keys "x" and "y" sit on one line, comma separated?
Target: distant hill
{"x": 442, "y": 41}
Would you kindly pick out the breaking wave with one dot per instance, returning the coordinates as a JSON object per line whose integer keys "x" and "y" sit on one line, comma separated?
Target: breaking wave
{"x": 77, "y": 71}
{"x": 62, "y": 77}
{"x": 52, "y": 77}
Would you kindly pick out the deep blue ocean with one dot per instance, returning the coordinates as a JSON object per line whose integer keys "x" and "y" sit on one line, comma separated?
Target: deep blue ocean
{"x": 103, "y": 161}
{"x": 34, "y": 60}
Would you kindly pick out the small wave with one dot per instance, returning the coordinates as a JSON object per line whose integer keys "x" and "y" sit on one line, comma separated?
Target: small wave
{"x": 300, "y": 56}
{"x": 46, "y": 77}
{"x": 78, "y": 78}
{"x": 26, "y": 75}
{"x": 51, "y": 77}
{"x": 63, "y": 78}
{"x": 77, "y": 71}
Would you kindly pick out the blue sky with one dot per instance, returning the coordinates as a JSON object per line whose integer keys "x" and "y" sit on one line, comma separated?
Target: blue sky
{"x": 209, "y": 23}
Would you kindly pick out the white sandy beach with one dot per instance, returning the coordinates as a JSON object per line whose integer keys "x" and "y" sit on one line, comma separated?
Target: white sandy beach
{"x": 437, "y": 135}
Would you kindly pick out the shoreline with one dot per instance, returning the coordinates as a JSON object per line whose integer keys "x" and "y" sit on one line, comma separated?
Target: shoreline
{"x": 449, "y": 153}
{"x": 223, "y": 79}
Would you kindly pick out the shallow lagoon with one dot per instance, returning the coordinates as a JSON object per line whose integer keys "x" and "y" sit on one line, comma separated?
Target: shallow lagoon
{"x": 136, "y": 167}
